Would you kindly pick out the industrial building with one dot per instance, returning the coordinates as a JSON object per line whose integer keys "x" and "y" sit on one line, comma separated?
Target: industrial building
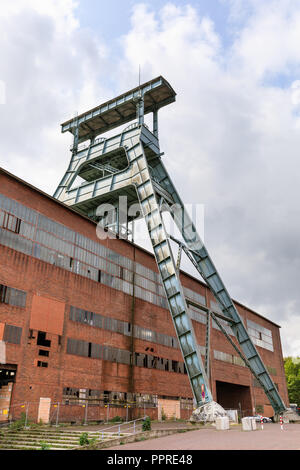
{"x": 85, "y": 329}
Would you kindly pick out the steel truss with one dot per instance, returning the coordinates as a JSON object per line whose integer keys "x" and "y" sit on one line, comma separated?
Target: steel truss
{"x": 130, "y": 164}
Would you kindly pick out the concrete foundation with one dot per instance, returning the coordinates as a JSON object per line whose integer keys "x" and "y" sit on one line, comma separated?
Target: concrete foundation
{"x": 208, "y": 413}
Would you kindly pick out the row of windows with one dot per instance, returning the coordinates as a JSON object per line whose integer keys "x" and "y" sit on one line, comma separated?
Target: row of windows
{"x": 32, "y": 233}
{"x": 260, "y": 335}
{"x": 11, "y": 296}
{"x": 122, "y": 327}
{"x": 222, "y": 356}
{"x": 121, "y": 356}
{"x": 12, "y": 334}
{"x": 54, "y": 243}
{"x": 237, "y": 360}
{"x": 82, "y": 395}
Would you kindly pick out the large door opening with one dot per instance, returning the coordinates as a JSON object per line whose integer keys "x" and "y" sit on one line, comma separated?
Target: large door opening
{"x": 236, "y": 397}
{"x": 7, "y": 379}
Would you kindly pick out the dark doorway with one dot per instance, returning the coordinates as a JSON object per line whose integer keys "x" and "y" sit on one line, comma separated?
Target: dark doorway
{"x": 236, "y": 397}
{"x": 7, "y": 379}
{"x": 7, "y": 374}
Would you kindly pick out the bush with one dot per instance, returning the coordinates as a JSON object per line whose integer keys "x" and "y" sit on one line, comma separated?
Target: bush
{"x": 19, "y": 424}
{"x": 116, "y": 419}
{"x": 163, "y": 415}
{"x": 83, "y": 439}
{"x": 147, "y": 424}
{"x": 44, "y": 445}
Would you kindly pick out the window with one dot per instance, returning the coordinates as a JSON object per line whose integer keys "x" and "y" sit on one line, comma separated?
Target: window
{"x": 260, "y": 335}
{"x": 11, "y": 222}
{"x": 3, "y": 291}
{"x": 11, "y": 296}
{"x": 42, "y": 341}
{"x": 43, "y": 352}
{"x": 121, "y": 356}
{"x": 42, "y": 364}
{"x": 12, "y": 334}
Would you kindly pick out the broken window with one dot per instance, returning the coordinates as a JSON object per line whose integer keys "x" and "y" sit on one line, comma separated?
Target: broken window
{"x": 43, "y": 352}
{"x": 11, "y": 222}
{"x": 42, "y": 364}
{"x": 42, "y": 341}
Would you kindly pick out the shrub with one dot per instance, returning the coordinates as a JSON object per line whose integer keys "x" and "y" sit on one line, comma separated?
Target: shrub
{"x": 44, "y": 445}
{"x": 83, "y": 439}
{"x": 163, "y": 415}
{"x": 147, "y": 424}
{"x": 19, "y": 424}
{"x": 116, "y": 419}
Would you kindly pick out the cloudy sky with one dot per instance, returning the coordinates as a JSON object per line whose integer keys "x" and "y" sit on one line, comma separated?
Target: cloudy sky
{"x": 231, "y": 140}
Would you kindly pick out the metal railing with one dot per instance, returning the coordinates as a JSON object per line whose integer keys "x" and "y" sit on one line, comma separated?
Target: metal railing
{"x": 129, "y": 427}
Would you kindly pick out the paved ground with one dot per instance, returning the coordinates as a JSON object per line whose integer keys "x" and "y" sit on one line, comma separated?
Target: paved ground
{"x": 270, "y": 438}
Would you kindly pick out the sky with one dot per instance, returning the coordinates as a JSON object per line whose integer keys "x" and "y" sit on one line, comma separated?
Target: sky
{"x": 231, "y": 140}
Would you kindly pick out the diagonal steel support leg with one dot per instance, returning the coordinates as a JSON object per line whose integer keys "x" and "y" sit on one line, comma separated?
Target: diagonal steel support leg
{"x": 138, "y": 175}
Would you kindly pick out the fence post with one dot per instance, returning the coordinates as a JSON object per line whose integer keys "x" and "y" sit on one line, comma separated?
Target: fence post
{"x": 26, "y": 417}
{"x": 85, "y": 413}
{"x": 133, "y": 427}
{"x": 119, "y": 430}
{"x": 57, "y": 414}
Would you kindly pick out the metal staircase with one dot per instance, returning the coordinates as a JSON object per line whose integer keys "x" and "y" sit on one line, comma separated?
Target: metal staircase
{"x": 130, "y": 164}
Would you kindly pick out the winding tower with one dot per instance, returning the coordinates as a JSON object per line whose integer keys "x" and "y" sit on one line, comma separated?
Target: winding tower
{"x": 128, "y": 164}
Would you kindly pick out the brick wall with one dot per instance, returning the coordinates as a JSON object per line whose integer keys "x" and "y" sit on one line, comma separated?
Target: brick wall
{"x": 62, "y": 288}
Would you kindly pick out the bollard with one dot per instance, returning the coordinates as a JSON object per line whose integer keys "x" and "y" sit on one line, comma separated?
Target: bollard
{"x": 281, "y": 423}
{"x": 247, "y": 424}
{"x": 222, "y": 423}
{"x": 262, "y": 422}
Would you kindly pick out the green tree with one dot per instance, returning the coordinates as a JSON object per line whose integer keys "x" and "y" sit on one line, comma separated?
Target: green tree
{"x": 292, "y": 373}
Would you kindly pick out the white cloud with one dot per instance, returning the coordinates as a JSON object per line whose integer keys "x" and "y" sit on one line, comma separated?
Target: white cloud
{"x": 290, "y": 333}
{"x": 52, "y": 69}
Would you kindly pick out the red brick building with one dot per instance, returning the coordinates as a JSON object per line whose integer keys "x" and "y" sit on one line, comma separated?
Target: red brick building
{"x": 84, "y": 323}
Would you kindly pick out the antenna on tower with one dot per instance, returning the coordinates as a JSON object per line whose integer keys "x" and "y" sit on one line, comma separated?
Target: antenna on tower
{"x": 139, "y": 75}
